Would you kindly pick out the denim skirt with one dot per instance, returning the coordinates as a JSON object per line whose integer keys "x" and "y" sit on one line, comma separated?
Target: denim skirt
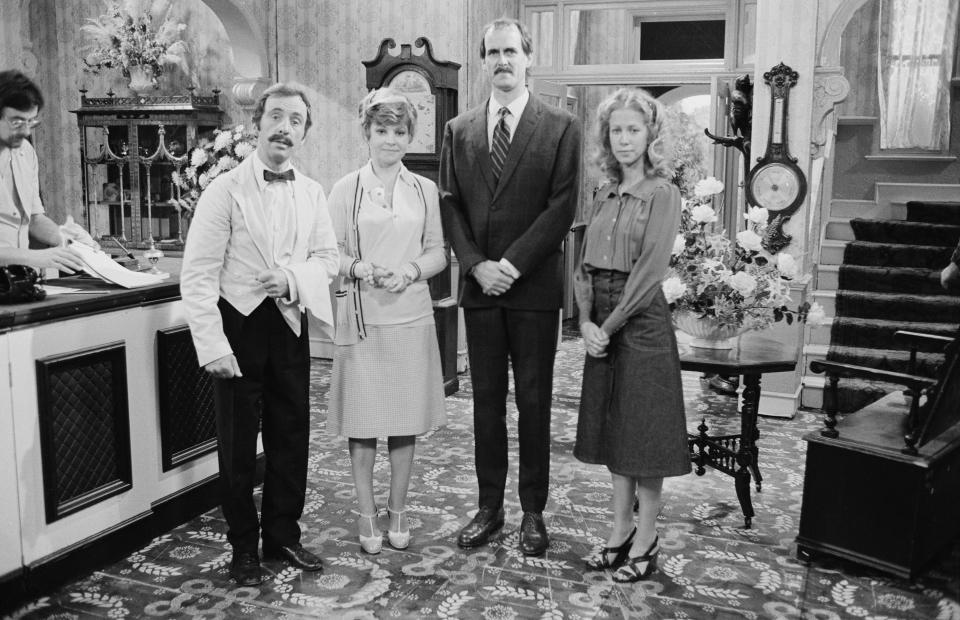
{"x": 631, "y": 407}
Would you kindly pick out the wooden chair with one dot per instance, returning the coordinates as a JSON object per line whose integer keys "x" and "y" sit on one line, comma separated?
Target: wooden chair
{"x": 882, "y": 485}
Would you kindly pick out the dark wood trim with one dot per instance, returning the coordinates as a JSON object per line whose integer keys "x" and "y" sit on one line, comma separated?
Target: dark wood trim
{"x": 96, "y": 297}
{"x": 114, "y": 355}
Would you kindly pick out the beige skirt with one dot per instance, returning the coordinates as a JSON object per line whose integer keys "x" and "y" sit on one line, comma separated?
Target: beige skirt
{"x": 388, "y": 384}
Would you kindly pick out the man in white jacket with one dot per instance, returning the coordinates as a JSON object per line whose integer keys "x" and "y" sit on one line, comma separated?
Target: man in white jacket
{"x": 262, "y": 251}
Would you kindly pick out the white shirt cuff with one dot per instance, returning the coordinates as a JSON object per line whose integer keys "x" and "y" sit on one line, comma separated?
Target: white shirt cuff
{"x": 292, "y": 293}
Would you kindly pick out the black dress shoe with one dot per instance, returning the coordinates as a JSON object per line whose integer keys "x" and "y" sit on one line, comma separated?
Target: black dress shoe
{"x": 483, "y": 525}
{"x": 533, "y": 534}
{"x": 295, "y": 555}
{"x": 245, "y": 568}
{"x": 727, "y": 386}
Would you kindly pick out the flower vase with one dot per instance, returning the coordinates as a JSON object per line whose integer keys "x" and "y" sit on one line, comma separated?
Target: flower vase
{"x": 141, "y": 79}
{"x": 706, "y": 332}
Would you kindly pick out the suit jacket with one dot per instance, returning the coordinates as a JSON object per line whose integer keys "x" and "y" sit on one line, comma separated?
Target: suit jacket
{"x": 229, "y": 245}
{"x": 523, "y": 218}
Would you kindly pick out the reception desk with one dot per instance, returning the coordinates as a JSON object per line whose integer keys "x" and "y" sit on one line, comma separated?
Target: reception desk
{"x": 105, "y": 417}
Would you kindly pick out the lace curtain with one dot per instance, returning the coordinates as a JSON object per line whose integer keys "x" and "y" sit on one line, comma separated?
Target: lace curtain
{"x": 917, "y": 39}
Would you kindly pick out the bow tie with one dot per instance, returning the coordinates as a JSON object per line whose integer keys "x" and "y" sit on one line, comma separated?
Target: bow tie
{"x": 269, "y": 176}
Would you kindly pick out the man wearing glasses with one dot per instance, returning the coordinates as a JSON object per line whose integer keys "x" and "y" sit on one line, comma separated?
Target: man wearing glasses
{"x": 22, "y": 216}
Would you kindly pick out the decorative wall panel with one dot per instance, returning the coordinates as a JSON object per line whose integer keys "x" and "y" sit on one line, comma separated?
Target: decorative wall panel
{"x": 84, "y": 428}
{"x": 188, "y": 426}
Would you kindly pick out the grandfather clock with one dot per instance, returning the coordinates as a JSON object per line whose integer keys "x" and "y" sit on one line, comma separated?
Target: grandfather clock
{"x": 431, "y": 85}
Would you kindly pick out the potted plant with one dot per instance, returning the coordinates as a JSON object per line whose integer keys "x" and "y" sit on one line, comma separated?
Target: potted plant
{"x": 719, "y": 288}
{"x": 139, "y": 37}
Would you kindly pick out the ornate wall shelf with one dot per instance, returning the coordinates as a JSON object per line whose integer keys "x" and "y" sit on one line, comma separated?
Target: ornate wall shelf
{"x": 130, "y": 145}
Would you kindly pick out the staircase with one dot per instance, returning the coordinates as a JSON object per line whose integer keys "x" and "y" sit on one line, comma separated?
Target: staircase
{"x": 879, "y": 271}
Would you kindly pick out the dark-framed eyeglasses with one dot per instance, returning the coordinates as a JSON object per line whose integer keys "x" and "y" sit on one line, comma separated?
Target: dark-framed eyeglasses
{"x": 20, "y": 123}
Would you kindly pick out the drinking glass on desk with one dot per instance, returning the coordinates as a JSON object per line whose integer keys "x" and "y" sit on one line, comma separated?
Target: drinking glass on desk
{"x": 153, "y": 254}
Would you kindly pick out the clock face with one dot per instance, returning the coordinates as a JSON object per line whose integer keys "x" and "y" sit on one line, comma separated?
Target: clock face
{"x": 416, "y": 88}
{"x": 775, "y": 186}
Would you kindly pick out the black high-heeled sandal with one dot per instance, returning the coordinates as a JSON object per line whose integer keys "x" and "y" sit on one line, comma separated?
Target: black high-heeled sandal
{"x": 640, "y": 567}
{"x": 601, "y": 561}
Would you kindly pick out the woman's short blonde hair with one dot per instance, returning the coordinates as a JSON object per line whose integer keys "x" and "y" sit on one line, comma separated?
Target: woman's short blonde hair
{"x": 386, "y": 106}
{"x": 657, "y": 161}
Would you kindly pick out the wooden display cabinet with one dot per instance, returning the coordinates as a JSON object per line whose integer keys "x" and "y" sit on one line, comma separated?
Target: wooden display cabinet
{"x": 130, "y": 146}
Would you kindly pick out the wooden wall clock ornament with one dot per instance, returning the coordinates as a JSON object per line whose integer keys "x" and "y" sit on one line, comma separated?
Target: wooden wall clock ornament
{"x": 431, "y": 85}
{"x": 776, "y": 182}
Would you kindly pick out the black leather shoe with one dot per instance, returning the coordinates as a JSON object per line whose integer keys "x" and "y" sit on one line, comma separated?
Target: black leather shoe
{"x": 483, "y": 525}
{"x": 727, "y": 386}
{"x": 295, "y": 555}
{"x": 533, "y": 534}
{"x": 245, "y": 568}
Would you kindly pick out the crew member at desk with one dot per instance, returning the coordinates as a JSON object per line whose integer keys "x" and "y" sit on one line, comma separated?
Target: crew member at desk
{"x": 22, "y": 215}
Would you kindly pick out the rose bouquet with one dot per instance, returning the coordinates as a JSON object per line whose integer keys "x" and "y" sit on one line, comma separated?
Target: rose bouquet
{"x": 735, "y": 285}
{"x": 207, "y": 160}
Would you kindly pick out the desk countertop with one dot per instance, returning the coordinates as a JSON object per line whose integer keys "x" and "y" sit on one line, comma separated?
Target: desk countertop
{"x": 95, "y": 296}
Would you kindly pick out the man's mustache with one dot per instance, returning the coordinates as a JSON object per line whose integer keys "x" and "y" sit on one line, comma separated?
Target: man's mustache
{"x": 503, "y": 70}
{"x": 282, "y": 139}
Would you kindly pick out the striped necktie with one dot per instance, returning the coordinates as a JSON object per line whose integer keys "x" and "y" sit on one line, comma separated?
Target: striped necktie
{"x": 501, "y": 144}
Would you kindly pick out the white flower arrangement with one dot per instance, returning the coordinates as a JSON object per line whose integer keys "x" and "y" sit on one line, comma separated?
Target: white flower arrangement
{"x": 208, "y": 160}
{"x": 739, "y": 285}
{"x": 135, "y": 33}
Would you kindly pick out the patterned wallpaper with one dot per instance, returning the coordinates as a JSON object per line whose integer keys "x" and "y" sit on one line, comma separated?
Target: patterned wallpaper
{"x": 319, "y": 43}
{"x": 322, "y": 44}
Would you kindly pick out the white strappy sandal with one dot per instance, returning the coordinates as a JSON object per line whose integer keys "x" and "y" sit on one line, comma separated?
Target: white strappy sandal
{"x": 399, "y": 539}
{"x": 370, "y": 544}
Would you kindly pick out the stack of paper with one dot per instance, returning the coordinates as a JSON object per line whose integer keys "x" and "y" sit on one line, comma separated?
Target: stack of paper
{"x": 100, "y": 265}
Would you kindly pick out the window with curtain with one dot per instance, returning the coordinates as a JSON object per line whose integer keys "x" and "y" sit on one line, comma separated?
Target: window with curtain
{"x": 916, "y": 41}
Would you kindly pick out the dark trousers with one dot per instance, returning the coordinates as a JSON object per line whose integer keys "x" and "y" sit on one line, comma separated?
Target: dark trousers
{"x": 275, "y": 385}
{"x": 528, "y": 341}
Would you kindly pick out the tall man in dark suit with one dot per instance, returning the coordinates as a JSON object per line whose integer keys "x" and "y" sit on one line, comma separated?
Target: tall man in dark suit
{"x": 508, "y": 191}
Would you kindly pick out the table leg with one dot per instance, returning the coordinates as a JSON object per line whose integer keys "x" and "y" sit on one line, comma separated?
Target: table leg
{"x": 742, "y": 484}
{"x": 748, "y": 454}
{"x": 755, "y": 435}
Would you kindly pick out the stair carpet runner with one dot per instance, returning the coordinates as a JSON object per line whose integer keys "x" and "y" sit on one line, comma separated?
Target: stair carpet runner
{"x": 890, "y": 281}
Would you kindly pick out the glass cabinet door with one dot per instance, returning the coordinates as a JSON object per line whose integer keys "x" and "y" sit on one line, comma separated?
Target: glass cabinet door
{"x": 107, "y": 180}
{"x": 161, "y": 148}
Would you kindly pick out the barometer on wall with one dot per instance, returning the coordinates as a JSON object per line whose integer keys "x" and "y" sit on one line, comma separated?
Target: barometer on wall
{"x": 777, "y": 183}
{"x": 777, "y": 186}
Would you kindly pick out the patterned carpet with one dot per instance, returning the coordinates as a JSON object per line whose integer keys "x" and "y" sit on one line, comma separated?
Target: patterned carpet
{"x": 710, "y": 566}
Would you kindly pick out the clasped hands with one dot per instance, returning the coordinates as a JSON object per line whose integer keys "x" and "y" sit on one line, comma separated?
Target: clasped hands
{"x": 594, "y": 339}
{"x": 274, "y": 282}
{"x": 492, "y": 277}
{"x": 393, "y": 281}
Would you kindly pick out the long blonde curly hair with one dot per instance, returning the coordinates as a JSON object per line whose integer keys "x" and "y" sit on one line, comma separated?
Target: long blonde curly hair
{"x": 658, "y": 159}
